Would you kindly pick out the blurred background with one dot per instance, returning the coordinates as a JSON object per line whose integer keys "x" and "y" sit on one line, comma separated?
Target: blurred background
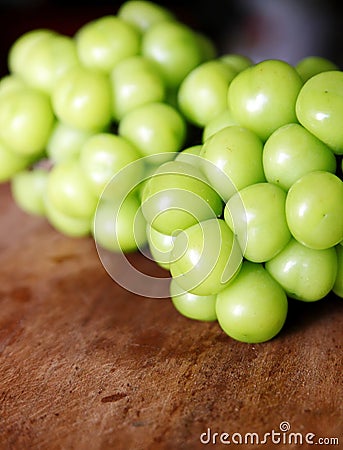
{"x": 260, "y": 29}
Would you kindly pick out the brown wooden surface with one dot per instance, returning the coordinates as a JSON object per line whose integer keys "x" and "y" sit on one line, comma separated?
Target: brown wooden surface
{"x": 84, "y": 364}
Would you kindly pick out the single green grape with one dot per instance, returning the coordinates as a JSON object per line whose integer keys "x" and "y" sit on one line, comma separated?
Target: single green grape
{"x": 103, "y": 155}
{"x": 226, "y": 154}
{"x": 143, "y": 14}
{"x": 45, "y": 60}
{"x": 65, "y": 142}
{"x": 209, "y": 50}
{"x": 175, "y": 48}
{"x": 253, "y": 308}
{"x": 319, "y": 108}
{"x": 314, "y": 210}
{"x": 128, "y": 179}
{"x": 177, "y": 196}
{"x": 262, "y": 97}
{"x": 135, "y": 81}
{"x": 81, "y": 98}
{"x": 20, "y": 52}
{"x": 11, "y": 163}
{"x": 119, "y": 226}
{"x": 190, "y": 155}
{"x": 26, "y": 121}
{"x": 256, "y": 214}
{"x": 304, "y": 273}
{"x": 197, "y": 307}
{"x": 222, "y": 120}
{"x": 28, "y": 188}
{"x": 206, "y": 257}
{"x": 66, "y": 224}
{"x": 160, "y": 246}
{"x": 11, "y": 82}
{"x": 237, "y": 61}
{"x": 69, "y": 191}
{"x": 103, "y": 42}
{"x": 154, "y": 128}
{"x": 291, "y": 152}
{"x": 309, "y": 66}
{"x": 202, "y": 93}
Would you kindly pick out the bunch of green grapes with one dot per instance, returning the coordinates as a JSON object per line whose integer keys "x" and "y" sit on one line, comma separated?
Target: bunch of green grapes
{"x": 257, "y": 216}
{"x": 75, "y": 110}
{"x": 96, "y": 135}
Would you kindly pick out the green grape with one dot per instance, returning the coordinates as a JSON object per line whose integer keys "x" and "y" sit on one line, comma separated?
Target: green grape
{"x": 135, "y": 82}
{"x": 143, "y": 14}
{"x": 66, "y": 224}
{"x": 41, "y": 63}
{"x": 314, "y": 210}
{"x": 229, "y": 150}
{"x": 23, "y": 48}
{"x": 68, "y": 190}
{"x": 263, "y": 96}
{"x": 236, "y": 61}
{"x": 103, "y": 155}
{"x": 119, "y": 226}
{"x": 304, "y": 273}
{"x": 130, "y": 179}
{"x": 81, "y": 98}
{"x": 26, "y": 120}
{"x": 190, "y": 155}
{"x": 319, "y": 108}
{"x": 256, "y": 214}
{"x": 209, "y": 50}
{"x": 291, "y": 152}
{"x": 197, "y": 307}
{"x": 11, "y": 163}
{"x": 253, "y": 308}
{"x": 205, "y": 258}
{"x": 338, "y": 285}
{"x": 105, "y": 41}
{"x": 160, "y": 246}
{"x": 177, "y": 196}
{"x": 175, "y": 48}
{"x": 222, "y": 120}
{"x": 202, "y": 93}
{"x": 28, "y": 188}
{"x": 154, "y": 128}
{"x": 65, "y": 142}
{"x": 312, "y": 65}
{"x": 10, "y": 83}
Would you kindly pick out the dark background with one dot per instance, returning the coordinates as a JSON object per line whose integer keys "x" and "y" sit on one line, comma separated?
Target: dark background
{"x": 286, "y": 29}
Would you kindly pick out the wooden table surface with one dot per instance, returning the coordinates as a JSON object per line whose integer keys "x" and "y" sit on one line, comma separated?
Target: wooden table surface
{"x": 85, "y": 364}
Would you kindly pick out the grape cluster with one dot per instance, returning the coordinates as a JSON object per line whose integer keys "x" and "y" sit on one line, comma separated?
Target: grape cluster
{"x": 97, "y": 135}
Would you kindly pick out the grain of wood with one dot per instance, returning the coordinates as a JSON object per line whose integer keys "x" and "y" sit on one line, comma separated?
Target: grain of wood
{"x": 85, "y": 364}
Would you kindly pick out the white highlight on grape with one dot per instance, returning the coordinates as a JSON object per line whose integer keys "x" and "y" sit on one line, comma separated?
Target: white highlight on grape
{"x": 322, "y": 116}
{"x": 255, "y": 104}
